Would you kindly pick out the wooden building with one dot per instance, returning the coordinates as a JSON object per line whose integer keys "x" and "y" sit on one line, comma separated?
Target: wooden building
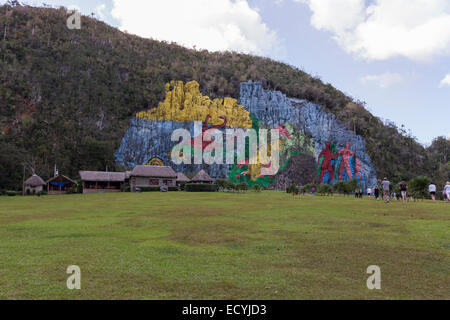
{"x": 182, "y": 179}
{"x": 101, "y": 182}
{"x": 202, "y": 177}
{"x": 34, "y": 184}
{"x": 146, "y": 176}
{"x": 60, "y": 184}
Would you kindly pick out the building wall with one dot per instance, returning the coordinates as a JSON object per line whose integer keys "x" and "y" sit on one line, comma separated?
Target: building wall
{"x": 145, "y": 181}
{"x": 36, "y": 189}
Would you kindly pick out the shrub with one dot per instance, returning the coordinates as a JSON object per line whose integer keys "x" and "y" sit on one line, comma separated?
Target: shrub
{"x": 79, "y": 186}
{"x": 292, "y": 189}
{"x": 28, "y": 192}
{"x": 418, "y": 187}
{"x": 150, "y": 189}
{"x": 345, "y": 187}
{"x": 243, "y": 186}
{"x": 308, "y": 188}
{"x": 221, "y": 183}
{"x": 229, "y": 185}
{"x": 11, "y": 193}
{"x": 257, "y": 188}
{"x": 325, "y": 189}
{"x": 173, "y": 188}
{"x": 42, "y": 193}
{"x": 197, "y": 187}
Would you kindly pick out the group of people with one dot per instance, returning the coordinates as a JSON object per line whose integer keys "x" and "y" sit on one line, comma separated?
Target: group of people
{"x": 387, "y": 195}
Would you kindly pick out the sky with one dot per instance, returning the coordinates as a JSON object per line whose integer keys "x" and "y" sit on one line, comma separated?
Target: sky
{"x": 392, "y": 54}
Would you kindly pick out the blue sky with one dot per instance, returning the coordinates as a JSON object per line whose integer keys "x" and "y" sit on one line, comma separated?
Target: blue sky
{"x": 392, "y": 54}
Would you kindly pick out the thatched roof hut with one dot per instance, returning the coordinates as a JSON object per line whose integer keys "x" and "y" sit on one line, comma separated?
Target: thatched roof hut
{"x": 34, "y": 181}
{"x": 102, "y": 176}
{"x": 181, "y": 177}
{"x": 153, "y": 171}
{"x": 202, "y": 177}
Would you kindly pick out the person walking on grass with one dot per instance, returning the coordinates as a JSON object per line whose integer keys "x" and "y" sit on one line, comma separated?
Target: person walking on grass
{"x": 386, "y": 186}
{"x": 432, "y": 190}
{"x": 403, "y": 190}
{"x": 369, "y": 191}
{"x": 376, "y": 192}
{"x": 447, "y": 191}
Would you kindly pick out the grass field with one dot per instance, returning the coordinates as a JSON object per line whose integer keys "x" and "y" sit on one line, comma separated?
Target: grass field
{"x": 222, "y": 246}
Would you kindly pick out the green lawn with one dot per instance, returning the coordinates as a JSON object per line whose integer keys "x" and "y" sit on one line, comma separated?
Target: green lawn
{"x": 222, "y": 246}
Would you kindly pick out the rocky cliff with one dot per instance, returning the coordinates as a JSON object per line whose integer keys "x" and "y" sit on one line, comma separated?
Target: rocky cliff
{"x": 274, "y": 108}
{"x": 307, "y": 128}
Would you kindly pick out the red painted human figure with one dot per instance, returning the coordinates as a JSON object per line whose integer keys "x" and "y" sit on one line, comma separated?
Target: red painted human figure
{"x": 326, "y": 163}
{"x": 345, "y": 153}
{"x": 358, "y": 169}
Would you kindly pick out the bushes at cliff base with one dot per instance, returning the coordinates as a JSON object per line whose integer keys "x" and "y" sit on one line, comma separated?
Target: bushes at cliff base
{"x": 194, "y": 187}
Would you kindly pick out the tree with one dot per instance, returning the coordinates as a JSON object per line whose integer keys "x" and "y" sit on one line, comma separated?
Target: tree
{"x": 418, "y": 187}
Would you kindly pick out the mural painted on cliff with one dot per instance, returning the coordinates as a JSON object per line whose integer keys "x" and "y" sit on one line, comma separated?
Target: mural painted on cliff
{"x": 336, "y": 166}
{"x": 304, "y": 130}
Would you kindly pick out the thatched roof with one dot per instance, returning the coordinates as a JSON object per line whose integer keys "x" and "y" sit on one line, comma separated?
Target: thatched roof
{"x": 61, "y": 178}
{"x": 153, "y": 171}
{"x": 102, "y": 176}
{"x": 181, "y": 177}
{"x": 35, "y": 181}
{"x": 202, "y": 176}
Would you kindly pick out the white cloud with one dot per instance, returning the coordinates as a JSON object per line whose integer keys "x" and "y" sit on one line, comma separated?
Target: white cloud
{"x": 416, "y": 29}
{"x": 445, "y": 81}
{"x": 214, "y": 25}
{"x": 384, "y": 80}
{"x": 99, "y": 10}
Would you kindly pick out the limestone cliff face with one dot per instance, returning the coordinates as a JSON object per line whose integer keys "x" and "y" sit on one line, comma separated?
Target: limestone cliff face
{"x": 146, "y": 139}
{"x": 149, "y": 135}
{"x": 185, "y": 103}
{"x": 274, "y": 108}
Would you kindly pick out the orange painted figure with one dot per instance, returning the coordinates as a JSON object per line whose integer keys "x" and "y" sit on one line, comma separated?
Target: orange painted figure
{"x": 326, "y": 163}
{"x": 345, "y": 153}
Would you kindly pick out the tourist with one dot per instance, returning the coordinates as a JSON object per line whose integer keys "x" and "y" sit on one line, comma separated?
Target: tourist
{"x": 361, "y": 193}
{"x": 313, "y": 190}
{"x": 376, "y": 191}
{"x": 369, "y": 191}
{"x": 447, "y": 191}
{"x": 403, "y": 189}
{"x": 432, "y": 190}
{"x": 386, "y": 186}
{"x": 356, "y": 193}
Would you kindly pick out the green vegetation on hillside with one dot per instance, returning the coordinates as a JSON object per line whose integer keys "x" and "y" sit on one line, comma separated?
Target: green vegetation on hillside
{"x": 66, "y": 96}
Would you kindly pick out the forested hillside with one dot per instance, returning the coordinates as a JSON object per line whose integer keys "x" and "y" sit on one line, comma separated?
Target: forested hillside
{"x": 66, "y": 96}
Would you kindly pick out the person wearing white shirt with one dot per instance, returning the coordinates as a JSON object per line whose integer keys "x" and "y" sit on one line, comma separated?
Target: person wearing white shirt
{"x": 447, "y": 191}
{"x": 432, "y": 190}
{"x": 369, "y": 191}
